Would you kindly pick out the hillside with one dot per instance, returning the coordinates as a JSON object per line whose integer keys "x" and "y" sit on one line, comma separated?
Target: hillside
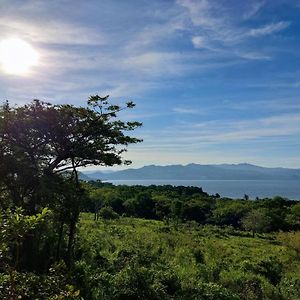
{"x": 200, "y": 172}
{"x": 130, "y": 258}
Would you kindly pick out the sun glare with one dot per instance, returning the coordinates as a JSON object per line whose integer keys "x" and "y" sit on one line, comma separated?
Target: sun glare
{"x": 17, "y": 56}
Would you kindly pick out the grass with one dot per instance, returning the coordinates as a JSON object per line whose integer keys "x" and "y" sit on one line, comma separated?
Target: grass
{"x": 208, "y": 254}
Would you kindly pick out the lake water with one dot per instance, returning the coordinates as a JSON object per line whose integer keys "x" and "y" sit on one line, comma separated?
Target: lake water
{"x": 231, "y": 188}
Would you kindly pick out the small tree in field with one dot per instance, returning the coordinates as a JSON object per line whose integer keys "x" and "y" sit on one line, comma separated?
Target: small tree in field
{"x": 256, "y": 221}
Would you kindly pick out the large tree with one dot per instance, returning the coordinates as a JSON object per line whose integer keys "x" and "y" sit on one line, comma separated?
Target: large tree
{"x": 43, "y": 145}
{"x": 42, "y": 139}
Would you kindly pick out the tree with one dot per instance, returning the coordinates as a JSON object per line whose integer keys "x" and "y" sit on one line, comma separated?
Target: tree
{"x": 198, "y": 210}
{"x": 293, "y": 216}
{"x": 108, "y": 213}
{"x": 256, "y": 221}
{"x": 42, "y": 139}
{"x": 96, "y": 197}
{"x": 142, "y": 205}
{"x": 228, "y": 212}
{"x": 277, "y": 209}
{"x": 43, "y": 145}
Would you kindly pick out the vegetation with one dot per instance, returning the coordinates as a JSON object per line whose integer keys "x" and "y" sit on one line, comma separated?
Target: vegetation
{"x": 134, "y": 258}
{"x": 61, "y": 238}
{"x": 41, "y": 148}
{"x": 183, "y": 204}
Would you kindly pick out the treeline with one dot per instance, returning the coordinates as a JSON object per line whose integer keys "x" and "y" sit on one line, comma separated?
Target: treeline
{"x": 184, "y": 204}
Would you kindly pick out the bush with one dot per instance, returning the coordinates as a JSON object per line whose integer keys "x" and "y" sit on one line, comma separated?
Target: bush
{"x": 107, "y": 213}
{"x": 290, "y": 240}
{"x": 247, "y": 285}
{"x": 133, "y": 283}
{"x": 207, "y": 291}
{"x": 166, "y": 282}
{"x": 290, "y": 288}
{"x": 28, "y": 286}
{"x": 270, "y": 268}
{"x": 199, "y": 256}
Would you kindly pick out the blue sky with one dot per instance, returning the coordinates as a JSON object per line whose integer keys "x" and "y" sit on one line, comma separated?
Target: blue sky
{"x": 214, "y": 81}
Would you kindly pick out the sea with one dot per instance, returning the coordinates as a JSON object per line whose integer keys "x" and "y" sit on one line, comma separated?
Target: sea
{"x": 231, "y": 188}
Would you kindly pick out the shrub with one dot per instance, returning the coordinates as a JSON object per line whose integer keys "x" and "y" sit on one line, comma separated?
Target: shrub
{"x": 270, "y": 268}
{"x": 29, "y": 286}
{"x": 290, "y": 288}
{"x": 290, "y": 240}
{"x": 199, "y": 256}
{"x": 247, "y": 285}
{"x": 107, "y": 213}
{"x": 207, "y": 291}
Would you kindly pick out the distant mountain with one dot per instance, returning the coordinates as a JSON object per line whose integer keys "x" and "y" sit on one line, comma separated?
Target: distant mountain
{"x": 83, "y": 176}
{"x": 200, "y": 172}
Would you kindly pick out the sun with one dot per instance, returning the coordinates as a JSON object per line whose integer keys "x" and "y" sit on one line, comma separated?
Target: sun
{"x": 17, "y": 57}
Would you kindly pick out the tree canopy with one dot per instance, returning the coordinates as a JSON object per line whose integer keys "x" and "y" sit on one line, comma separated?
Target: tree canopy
{"x": 42, "y": 145}
{"x": 40, "y": 139}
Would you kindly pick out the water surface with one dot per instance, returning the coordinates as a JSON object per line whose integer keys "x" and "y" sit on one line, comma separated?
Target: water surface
{"x": 231, "y": 188}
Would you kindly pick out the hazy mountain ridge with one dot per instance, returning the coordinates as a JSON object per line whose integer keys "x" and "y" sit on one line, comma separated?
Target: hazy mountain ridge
{"x": 200, "y": 172}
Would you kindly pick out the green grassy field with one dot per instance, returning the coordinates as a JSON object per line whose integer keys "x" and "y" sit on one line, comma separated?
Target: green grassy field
{"x": 131, "y": 258}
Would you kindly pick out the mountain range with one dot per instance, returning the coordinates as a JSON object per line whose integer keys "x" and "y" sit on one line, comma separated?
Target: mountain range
{"x": 192, "y": 171}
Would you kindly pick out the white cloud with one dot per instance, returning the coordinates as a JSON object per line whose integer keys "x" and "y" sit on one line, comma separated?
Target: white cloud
{"x": 199, "y": 42}
{"x": 76, "y": 57}
{"x": 51, "y": 32}
{"x": 255, "y": 7}
{"x": 153, "y": 34}
{"x": 253, "y": 55}
{"x": 217, "y": 28}
{"x": 195, "y": 136}
{"x": 269, "y": 29}
{"x": 185, "y": 110}
{"x": 203, "y": 13}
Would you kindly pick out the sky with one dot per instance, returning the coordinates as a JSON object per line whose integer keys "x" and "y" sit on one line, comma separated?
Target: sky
{"x": 214, "y": 81}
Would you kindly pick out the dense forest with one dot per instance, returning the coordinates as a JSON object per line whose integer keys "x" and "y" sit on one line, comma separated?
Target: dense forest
{"x": 185, "y": 204}
{"x": 63, "y": 238}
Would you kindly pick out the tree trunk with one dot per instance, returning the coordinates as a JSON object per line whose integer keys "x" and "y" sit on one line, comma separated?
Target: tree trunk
{"x": 60, "y": 234}
{"x": 72, "y": 230}
{"x": 74, "y": 218}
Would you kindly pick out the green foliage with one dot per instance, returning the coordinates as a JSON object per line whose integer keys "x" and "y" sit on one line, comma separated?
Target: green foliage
{"x": 107, "y": 213}
{"x": 28, "y": 286}
{"x": 245, "y": 284}
{"x": 14, "y": 227}
{"x": 198, "y": 209}
{"x": 291, "y": 240}
{"x": 41, "y": 148}
{"x": 185, "y": 204}
{"x": 142, "y": 205}
{"x": 228, "y": 212}
{"x": 293, "y": 216}
{"x": 256, "y": 221}
{"x": 132, "y": 258}
{"x": 290, "y": 288}
{"x": 271, "y": 268}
